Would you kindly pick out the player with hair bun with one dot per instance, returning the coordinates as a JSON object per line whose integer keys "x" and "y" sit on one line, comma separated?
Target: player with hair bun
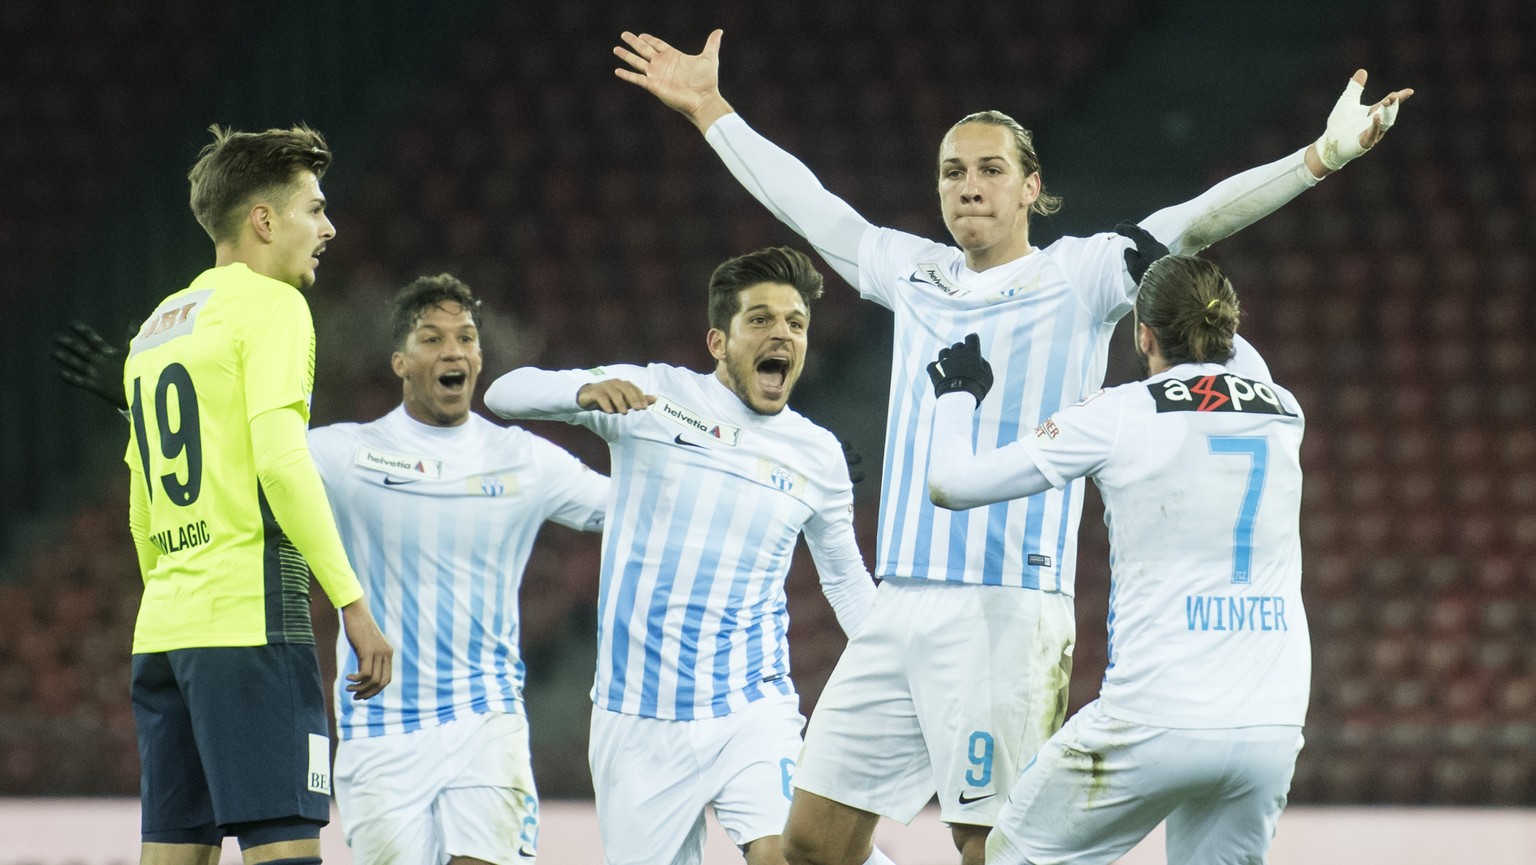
{"x": 1199, "y": 718}
{"x": 964, "y": 668}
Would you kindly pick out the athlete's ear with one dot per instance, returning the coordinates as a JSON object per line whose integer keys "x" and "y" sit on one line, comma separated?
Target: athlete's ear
{"x": 260, "y": 219}
{"x": 397, "y": 363}
{"x": 1031, "y": 190}
{"x": 1146, "y": 338}
{"x": 716, "y": 342}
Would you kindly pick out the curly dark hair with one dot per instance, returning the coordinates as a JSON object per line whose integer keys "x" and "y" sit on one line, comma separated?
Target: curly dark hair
{"x": 424, "y": 293}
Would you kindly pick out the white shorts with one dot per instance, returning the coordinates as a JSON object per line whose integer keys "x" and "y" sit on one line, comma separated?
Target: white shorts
{"x": 655, "y": 777}
{"x": 947, "y": 688}
{"x": 464, "y": 788}
{"x": 1101, "y": 784}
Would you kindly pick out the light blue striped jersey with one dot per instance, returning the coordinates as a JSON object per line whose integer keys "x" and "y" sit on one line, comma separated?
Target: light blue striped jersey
{"x": 708, "y": 499}
{"x": 1045, "y": 321}
{"x": 439, "y": 523}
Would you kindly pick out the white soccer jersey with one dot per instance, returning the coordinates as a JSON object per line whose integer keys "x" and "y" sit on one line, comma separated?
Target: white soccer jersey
{"x": 708, "y": 499}
{"x": 439, "y": 523}
{"x": 1046, "y": 320}
{"x": 1201, "y": 478}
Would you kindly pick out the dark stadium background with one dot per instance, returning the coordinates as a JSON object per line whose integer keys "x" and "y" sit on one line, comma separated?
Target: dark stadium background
{"x": 492, "y": 140}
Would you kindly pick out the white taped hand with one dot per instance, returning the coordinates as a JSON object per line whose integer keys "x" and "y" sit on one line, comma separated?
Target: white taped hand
{"x": 1351, "y": 123}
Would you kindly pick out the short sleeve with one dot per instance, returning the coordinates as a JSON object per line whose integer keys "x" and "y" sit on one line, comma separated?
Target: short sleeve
{"x": 884, "y": 256}
{"x": 277, "y": 350}
{"x": 332, "y": 449}
{"x": 1078, "y": 440}
{"x": 577, "y": 496}
{"x": 1095, "y": 267}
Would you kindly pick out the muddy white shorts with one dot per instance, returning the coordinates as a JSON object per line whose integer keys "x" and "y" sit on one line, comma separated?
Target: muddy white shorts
{"x": 463, "y": 788}
{"x": 654, "y": 778}
{"x": 1101, "y": 784}
{"x": 947, "y": 688}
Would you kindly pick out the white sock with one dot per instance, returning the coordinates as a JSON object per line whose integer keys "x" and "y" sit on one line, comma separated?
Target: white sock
{"x": 878, "y": 858}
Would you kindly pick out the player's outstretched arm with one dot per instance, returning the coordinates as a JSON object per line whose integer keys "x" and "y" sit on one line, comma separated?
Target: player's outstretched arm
{"x": 86, "y": 361}
{"x": 543, "y": 394}
{"x": 613, "y": 396}
{"x": 690, "y": 84}
{"x": 686, "y": 83}
{"x": 1243, "y": 199}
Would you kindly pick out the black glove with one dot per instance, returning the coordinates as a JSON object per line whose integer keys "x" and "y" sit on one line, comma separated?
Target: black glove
{"x": 961, "y": 367}
{"x": 1148, "y": 249}
{"x": 88, "y": 362}
{"x": 854, "y": 460}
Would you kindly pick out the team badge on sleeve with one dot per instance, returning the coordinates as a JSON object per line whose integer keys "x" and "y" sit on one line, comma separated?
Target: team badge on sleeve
{"x": 1217, "y": 393}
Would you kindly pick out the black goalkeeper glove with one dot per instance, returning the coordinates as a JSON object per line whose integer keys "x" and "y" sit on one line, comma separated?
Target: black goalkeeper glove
{"x": 88, "y": 362}
{"x": 1148, "y": 249}
{"x": 854, "y": 459}
{"x": 961, "y": 367}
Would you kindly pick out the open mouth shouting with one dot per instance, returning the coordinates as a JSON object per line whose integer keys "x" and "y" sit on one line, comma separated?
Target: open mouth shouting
{"x": 773, "y": 377}
{"x": 453, "y": 381}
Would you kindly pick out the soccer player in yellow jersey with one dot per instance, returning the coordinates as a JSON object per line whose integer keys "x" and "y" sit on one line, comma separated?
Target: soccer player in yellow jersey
{"x": 226, "y": 509}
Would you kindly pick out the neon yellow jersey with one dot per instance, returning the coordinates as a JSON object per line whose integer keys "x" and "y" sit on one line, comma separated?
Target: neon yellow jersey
{"x": 230, "y": 346}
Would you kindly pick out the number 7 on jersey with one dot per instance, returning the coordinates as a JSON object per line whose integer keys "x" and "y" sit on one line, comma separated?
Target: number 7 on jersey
{"x": 1256, "y": 448}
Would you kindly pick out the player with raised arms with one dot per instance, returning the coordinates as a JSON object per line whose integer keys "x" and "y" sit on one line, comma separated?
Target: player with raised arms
{"x": 963, "y": 668}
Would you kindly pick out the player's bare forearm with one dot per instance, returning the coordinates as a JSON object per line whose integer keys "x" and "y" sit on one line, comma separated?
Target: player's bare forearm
{"x": 686, "y": 83}
{"x": 375, "y": 656}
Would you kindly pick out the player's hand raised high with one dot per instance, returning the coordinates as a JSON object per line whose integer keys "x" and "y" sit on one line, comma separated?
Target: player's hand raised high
{"x": 688, "y": 83}
{"x": 1354, "y": 127}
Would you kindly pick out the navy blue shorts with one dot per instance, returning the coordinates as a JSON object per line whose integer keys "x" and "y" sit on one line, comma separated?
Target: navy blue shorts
{"x": 230, "y": 736}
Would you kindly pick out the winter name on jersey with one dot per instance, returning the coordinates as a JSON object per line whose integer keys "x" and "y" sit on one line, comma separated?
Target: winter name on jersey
{"x": 1240, "y": 613}
{"x": 174, "y": 319}
{"x": 400, "y": 465}
{"x": 1217, "y": 393}
{"x": 690, "y": 419}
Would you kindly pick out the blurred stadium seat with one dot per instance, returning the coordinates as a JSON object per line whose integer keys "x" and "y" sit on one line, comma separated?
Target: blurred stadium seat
{"x": 1394, "y": 299}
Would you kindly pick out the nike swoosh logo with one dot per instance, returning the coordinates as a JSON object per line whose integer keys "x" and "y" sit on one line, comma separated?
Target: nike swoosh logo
{"x": 965, "y": 801}
{"x": 392, "y": 481}
{"x": 682, "y": 441}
